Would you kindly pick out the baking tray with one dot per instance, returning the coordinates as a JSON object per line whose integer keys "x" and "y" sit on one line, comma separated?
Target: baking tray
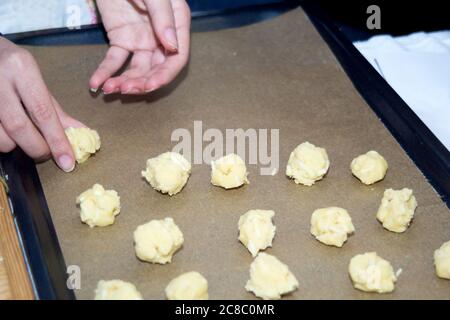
{"x": 293, "y": 95}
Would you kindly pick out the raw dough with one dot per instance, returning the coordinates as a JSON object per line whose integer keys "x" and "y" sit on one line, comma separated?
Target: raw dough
{"x": 84, "y": 142}
{"x": 369, "y": 168}
{"x": 188, "y": 286}
{"x": 442, "y": 261}
{"x": 397, "y": 209}
{"x": 157, "y": 241}
{"x": 371, "y": 273}
{"x": 331, "y": 225}
{"x": 270, "y": 278}
{"x": 229, "y": 172}
{"x": 116, "y": 290}
{"x": 168, "y": 172}
{"x": 256, "y": 230}
{"x": 307, "y": 164}
{"x": 98, "y": 207}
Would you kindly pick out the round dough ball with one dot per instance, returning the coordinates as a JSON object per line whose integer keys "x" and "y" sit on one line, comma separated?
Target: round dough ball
{"x": 270, "y": 278}
{"x": 188, "y": 286}
{"x": 397, "y": 209}
{"x": 84, "y": 142}
{"x": 307, "y": 164}
{"x": 229, "y": 172}
{"x": 98, "y": 207}
{"x": 157, "y": 241}
{"x": 331, "y": 225}
{"x": 168, "y": 172}
{"x": 369, "y": 168}
{"x": 371, "y": 273}
{"x": 116, "y": 290}
{"x": 442, "y": 261}
{"x": 256, "y": 230}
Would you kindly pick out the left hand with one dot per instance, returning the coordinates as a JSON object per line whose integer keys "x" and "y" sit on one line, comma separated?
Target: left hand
{"x": 156, "y": 32}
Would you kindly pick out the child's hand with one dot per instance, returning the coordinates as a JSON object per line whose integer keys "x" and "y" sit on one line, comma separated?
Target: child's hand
{"x": 156, "y": 32}
{"x": 29, "y": 115}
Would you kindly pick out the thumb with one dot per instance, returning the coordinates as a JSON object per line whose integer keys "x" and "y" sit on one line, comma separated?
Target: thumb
{"x": 163, "y": 22}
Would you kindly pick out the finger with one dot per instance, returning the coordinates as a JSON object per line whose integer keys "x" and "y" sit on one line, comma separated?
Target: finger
{"x": 160, "y": 77}
{"x": 163, "y": 22}
{"x": 140, "y": 5}
{"x": 134, "y": 86}
{"x": 182, "y": 15}
{"x": 38, "y": 102}
{"x": 141, "y": 61}
{"x": 159, "y": 56}
{"x": 18, "y": 127}
{"x": 6, "y": 143}
{"x": 114, "y": 60}
{"x": 140, "y": 64}
{"x": 66, "y": 120}
{"x": 164, "y": 73}
{"x": 173, "y": 64}
{"x": 112, "y": 85}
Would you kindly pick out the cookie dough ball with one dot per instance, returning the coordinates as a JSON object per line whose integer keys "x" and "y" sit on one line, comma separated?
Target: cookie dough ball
{"x": 369, "y": 168}
{"x": 189, "y": 286}
{"x": 270, "y": 278}
{"x": 397, "y": 209}
{"x": 442, "y": 261}
{"x": 331, "y": 225}
{"x": 229, "y": 172}
{"x": 98, "y": 207}
{"x": 371, "y": 273}
{"x": 116, "y": 290}
{"x": 84, "y": 141}
{"x": 157, "y": 241}
{"x": 168, "y": 172}
{"x": 256, "y": 230}
{"x": 307, "y": 164}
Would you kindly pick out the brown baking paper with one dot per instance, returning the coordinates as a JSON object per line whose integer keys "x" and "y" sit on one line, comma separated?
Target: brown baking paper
{"x": 278, "y": 74}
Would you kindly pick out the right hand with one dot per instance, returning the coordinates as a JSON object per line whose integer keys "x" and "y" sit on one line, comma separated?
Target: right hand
{"x": 156, "y": 32}
{"x": 30, "y": 117}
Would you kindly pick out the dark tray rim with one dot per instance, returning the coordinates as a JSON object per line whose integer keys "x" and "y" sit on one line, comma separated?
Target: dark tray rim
{"x": 421, "y": 145}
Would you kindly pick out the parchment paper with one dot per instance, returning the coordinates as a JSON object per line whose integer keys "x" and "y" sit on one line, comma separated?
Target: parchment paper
{"x": 276, "y": 75}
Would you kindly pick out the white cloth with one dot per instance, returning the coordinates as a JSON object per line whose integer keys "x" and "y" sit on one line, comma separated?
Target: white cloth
{"x": 417, "y": 66}
{"x": 30, "y": 15}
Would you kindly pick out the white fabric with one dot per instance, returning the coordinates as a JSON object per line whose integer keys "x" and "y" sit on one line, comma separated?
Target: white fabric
{"x": 29, "y": 15}
{"x": 418, "y": 68}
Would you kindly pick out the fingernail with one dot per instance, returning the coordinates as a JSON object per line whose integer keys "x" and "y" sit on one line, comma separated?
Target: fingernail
{"x": 66, "y": 163}
{"x": 93, "y": 90}
{"x": 150, "y": 90}
{"x": 131, "y": 91}
{"x": 171, "y": 37}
